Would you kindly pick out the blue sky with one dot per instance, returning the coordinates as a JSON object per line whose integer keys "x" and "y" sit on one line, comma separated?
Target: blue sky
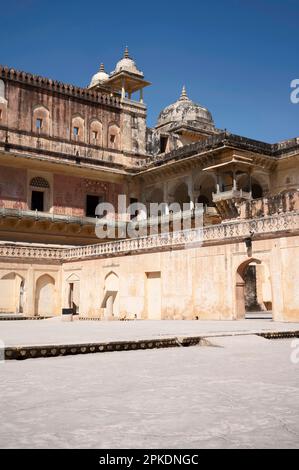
{"x": 235, "y": 57}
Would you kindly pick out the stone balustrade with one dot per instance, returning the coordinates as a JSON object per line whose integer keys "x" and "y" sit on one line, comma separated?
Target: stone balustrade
{"x": 234, "y": 230}
{"x": 23, "y": 251}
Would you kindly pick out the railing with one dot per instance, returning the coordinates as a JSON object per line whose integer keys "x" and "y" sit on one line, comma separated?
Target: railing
{"x": 231, "y": 194}
{"x": 215, "y": 141}
{"x": 229, "y": 230}
{"x": 214, "y": 233}
{"x": 121, "y": 223}
{"x": 17, "y": 251}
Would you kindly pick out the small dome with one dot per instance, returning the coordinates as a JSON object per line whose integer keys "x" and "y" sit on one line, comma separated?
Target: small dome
{"x": 186, "y": 111}
{"x": 100, "y": 77}
{"x": 126, "y": 64}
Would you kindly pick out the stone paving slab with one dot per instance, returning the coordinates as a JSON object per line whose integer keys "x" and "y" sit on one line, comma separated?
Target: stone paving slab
{"x": 242, "y": 394}
{"x": 56, "y": 332}
{"x": 145, "y": 340}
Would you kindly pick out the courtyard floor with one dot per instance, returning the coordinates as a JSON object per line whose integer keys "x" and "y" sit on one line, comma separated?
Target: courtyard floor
{"x": 55, "y": 331}
{"x": 243, "y": 393}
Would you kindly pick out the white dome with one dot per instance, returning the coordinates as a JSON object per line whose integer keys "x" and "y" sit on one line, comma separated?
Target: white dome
{"x": 186, "y": 111}
{"x": 126, "y": 64}
{"x": 99, "y": 78}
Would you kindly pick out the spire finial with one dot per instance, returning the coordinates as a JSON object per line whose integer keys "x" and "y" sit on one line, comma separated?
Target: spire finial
{"x": 126, "y": 54}
{"x": 184, "y": 94}
{"x": 102, "y": 68}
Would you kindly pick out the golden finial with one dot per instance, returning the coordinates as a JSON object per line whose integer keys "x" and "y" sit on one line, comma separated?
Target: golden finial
{"x": 184, "y": 94}
{"x": 126, "y": 54}
{"x": 102, "y": 68}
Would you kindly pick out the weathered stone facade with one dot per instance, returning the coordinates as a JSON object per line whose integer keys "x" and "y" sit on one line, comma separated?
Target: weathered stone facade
{"x": 64, "y": 148}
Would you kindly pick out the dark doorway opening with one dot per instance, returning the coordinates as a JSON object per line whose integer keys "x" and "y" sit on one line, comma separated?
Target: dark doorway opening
{"x": 133, "y": 212}
{"x": 37, "y": 201}
{"x": 256, "y": 191}
{"x": 91, "y": 205}
{"x": 163, "y": 144}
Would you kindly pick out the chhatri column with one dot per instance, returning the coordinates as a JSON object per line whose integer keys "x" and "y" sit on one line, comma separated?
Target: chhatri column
{"x": 190, "y": 191}
{"x": 234, "y": 180}
{"x": 217, "y": 182}
{"x": 141, "y": 95}
{"x": 123, "y": 90}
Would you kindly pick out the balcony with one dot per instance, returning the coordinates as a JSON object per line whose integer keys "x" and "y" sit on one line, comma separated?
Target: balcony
{"x": 231, "y": 194}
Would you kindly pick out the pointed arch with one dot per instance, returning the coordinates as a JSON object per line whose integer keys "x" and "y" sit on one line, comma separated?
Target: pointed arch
{"x": 40, "y": 119}
{"x": 110, "y": 301}
{"x": 259, "y": 291}
{"x": 95, "y": 132}
{"x": 45, "y": 295}
{"x": 113, "y": 137}
{"x": 12, "y": 287}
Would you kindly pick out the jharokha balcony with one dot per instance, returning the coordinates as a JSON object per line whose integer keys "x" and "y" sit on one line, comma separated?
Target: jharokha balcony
{"x": 228, "y": 202}
{"x": 231, "y": 194}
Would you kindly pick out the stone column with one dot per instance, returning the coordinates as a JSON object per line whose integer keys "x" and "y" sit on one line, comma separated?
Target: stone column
{"x": 217, "y": 183}
{"x": 190, "y": 191}
{"x": 123, "y": 91}
{"x": 234, "y": 180}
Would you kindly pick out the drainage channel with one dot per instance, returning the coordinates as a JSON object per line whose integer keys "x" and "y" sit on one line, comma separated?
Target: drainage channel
{"x": 31, "y": 352}
{"x": 279, "y": 334}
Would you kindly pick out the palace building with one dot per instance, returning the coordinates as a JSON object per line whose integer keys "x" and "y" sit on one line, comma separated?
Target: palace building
{"x": 65, "y": 149}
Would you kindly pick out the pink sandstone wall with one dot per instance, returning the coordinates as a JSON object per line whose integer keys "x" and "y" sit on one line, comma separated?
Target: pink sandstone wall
{"x": 70, "y": 193}
{"x": 13, "y": 190}
{"x": 22, "y": 100}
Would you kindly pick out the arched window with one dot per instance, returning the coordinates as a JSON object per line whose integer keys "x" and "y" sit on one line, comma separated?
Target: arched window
{"x": 95, "y": 132}
{"x": 77, "y": 128}
{"x": 41, "y": 120}
{"x": 114, "y": 136}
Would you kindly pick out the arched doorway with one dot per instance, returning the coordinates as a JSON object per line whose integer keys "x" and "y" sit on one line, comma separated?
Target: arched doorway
{"x": 73, "y": 292}
{"x": 206, "y": 187}
{"x": 110, "y": 301}
{"x": 181, "y": 195}
{"x": 12, "y": 293}
{"x": 247, "y": 184}
{"x": 253, "y": 290}
{"x": 45, "y": 295}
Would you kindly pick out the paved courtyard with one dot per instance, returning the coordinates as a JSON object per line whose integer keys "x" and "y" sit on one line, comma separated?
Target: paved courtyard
{"x": 243, "y": 393}
{"x": 54, "y": 331}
